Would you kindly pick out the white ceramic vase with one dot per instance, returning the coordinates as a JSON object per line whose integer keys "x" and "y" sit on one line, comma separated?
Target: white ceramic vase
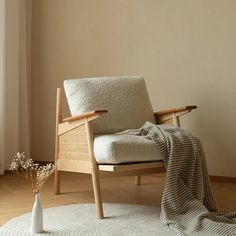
{"x": 37, "y": 215}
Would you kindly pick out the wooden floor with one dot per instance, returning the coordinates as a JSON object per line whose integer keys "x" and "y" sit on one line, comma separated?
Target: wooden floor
{"x": 16, "y": 196}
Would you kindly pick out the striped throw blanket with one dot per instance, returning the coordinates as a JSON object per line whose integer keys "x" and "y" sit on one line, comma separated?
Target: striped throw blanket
{"x": 188, "y": 205}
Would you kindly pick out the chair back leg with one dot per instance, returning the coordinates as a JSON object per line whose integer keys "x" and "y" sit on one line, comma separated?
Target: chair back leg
{"x": 58, "y": 120}
{"x": 137, "y": 180}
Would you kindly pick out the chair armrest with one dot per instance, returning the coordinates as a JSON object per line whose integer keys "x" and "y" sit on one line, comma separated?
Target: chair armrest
{"x": 85, "y": 115}
{"x": 176, "y": 110}
{"x": 166, "y": 115}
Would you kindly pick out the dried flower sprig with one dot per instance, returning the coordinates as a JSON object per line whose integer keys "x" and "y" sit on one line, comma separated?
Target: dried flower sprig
{"x": 34, "y": 174}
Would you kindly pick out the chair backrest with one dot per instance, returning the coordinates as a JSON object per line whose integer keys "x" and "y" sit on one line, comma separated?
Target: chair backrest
{"x": 125, "y": 98}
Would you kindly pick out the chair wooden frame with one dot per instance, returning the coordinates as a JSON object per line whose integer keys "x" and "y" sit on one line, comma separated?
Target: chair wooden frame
{"x": 74, "y": 149}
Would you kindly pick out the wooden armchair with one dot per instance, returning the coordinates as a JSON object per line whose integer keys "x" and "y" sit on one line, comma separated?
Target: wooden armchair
{"x": 74, "y": 145}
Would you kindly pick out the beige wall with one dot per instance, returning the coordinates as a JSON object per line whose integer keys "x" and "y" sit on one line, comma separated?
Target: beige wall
{"x": 185, "y": 49}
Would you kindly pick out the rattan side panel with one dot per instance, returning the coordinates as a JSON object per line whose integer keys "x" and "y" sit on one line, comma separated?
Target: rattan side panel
{"x": 73, "y": 145}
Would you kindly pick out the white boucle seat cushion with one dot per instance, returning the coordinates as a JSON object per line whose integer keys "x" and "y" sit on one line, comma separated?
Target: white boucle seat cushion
{"x": 126, "y": 99}
{"x": 118, "y": 149}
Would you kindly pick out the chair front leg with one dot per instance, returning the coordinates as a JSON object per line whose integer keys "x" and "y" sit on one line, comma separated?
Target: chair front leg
{"x": 97, "y": 194}
{"x": 57, "y": 182}
{"x": 95, "y": 176}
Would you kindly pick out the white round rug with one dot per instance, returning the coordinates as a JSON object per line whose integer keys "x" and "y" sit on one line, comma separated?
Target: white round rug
{"x": 80, "y": 219}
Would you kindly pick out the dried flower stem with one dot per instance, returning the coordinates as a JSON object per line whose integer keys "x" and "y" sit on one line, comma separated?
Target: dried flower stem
{"x": 34, "y": 174}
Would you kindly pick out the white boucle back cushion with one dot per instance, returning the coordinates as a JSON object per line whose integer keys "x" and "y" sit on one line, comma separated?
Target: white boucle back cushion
{"x": 125, "y": 98}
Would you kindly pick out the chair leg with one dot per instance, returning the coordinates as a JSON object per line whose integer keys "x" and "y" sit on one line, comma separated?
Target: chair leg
{"x": 97, "y": 195}
{"x": 137, "y": 180}
{"x": 57, "y": 182}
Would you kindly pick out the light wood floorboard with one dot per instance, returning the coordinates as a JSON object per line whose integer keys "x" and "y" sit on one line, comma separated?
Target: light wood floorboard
{"x": 16, "y": 196}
